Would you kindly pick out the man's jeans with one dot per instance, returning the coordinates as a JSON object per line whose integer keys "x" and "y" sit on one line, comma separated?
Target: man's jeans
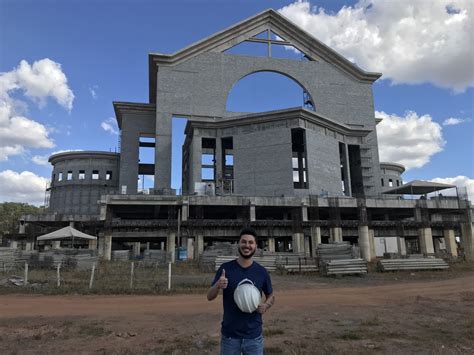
{"x": 232, "y": 346}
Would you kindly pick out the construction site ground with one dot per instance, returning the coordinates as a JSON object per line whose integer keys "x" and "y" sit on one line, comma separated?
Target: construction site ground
{"x": 397, "y": 313}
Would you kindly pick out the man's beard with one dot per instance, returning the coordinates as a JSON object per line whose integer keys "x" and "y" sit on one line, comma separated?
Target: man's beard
{"x": 246, "y": 256}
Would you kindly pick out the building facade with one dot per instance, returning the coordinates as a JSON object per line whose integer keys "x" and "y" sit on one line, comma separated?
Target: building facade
{"x": 301, "y": 176}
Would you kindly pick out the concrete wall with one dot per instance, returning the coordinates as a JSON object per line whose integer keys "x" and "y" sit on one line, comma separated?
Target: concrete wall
{"x": 133, "y": 126}
{"x": 201, "y": 85}
{"x": 262, "y": 163}
{"x": 324, "y": 171}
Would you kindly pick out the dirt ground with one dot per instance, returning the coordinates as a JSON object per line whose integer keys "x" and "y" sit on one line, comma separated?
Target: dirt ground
{"x": 402, "y": 313}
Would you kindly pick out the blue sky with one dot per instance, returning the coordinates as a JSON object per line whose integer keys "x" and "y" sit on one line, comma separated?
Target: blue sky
{"x": 90, "y": 53}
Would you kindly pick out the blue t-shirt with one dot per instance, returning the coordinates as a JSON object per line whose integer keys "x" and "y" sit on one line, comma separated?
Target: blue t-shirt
{"x": 235, "y": 323}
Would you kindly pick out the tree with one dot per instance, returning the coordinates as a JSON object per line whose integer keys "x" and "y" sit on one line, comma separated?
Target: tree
{"x": 10, "y": 213}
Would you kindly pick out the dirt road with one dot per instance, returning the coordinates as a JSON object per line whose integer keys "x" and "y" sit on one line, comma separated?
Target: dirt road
{"x": 408, "y": 317}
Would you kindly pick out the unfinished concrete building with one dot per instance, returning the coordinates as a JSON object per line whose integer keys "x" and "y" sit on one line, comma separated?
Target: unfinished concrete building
{"x": 301, "y": 176}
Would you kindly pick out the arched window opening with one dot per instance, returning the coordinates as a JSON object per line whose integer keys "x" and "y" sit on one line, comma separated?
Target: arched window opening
{"x": 267, "y": 91}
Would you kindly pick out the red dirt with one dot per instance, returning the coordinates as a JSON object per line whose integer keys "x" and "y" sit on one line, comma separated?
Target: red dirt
{"x": 405, "y": 317}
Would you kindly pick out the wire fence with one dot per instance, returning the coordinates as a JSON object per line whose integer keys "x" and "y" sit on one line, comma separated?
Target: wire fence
{"x": 105, "y": 278}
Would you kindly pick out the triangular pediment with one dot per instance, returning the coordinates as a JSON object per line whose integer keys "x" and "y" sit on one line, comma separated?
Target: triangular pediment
{"x": 277, "y": 29}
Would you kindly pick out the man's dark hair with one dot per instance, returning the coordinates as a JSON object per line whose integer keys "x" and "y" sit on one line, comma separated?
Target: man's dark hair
{"x": 250, "y": 231}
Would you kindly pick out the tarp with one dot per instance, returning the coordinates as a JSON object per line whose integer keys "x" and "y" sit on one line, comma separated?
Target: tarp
{"x": 66, "y": 233}
{"x": 418, "y": 187}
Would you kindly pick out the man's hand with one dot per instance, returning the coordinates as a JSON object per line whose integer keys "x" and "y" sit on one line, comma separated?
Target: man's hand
{"x": 263, "y": 307}
{"x": 223, "y": 281}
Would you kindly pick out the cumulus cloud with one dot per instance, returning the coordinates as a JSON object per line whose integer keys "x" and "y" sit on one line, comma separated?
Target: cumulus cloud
{"x": 411, "y": 140}
{"x": 462, "y": 182}
{"x": 42, "y": 79}
{"x": 110, "y": 125}
{"x": 408, "y": 41}
{"x": 22, "y": 187}
{"x": 454, "y": 121}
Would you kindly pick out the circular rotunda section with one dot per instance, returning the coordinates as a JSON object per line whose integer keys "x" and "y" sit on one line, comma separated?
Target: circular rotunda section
{"x": 80, "y": 178}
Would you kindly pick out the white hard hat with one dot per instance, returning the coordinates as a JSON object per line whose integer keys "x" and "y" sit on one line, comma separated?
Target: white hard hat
{"x": 247, "y": 296}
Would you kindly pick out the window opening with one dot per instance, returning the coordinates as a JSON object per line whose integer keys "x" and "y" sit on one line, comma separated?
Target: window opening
{"x": 355, "y": 171}
{"x": 298, "y": 143}
{"x": 344, "y": 169}
{"x": 267, "y": 91}
{"x": 227, "y": 165}
{"x": 108, "y": 175}
{"x": 390, "y": 182}
{"x": 69, "y": 175}
{"x": 268, "y": 44}
{"x": 82, "y": 174}
{"x": 179, "y": 155}
{"x": 381, "y": 180}
{"x": 398, "y": 183}
{"x": 60, "y": 176}
{"x": 146, "y": 162}
{"x": 208, "y": 151}
{"x": 95, "y": 174}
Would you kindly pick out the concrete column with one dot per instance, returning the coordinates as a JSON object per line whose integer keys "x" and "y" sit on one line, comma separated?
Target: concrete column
{"x": 29, "y": 246}
{"x": 402, "y": 247}
{"x": 108, "y": 246}
{"x": 315, "y": 239}
{"x": 304, "y": 212}
{"x": 335, "y": 234}
{"x": 101, "y": 242}
{"x": 185, "y": 211}
{"x": 93, "y": 244}
{"x": 467, "y": 240}
{"x": 253, "y": 216}
{"x": 450, "y": 242}
{"x": 425, "y": 237}
{"x": 136, "y": 249}
{"x": 196, "y": 163}
{"x": 22, "y": 228}
{"x": 307, "y": 246}
{"x": 218, "y": 163}
{"x": 190, "y": 248}
{"x": 57, "y": 244}
{"x": 364, "y": 243}
{"x": 271, "y": 244}
{"x": 162, "y": 246}
{"x": 298, "y": 242}
{"x": 71, "y": 224}
{"x": 148, "y": 245}
{"x": 437, "y": 244}
{"x": 372, "y": 243}
{"x": 347, "y": 172}
{"x": 163, "y": 151}
{"x": 199, "y": 247}
{"x": 171, "y": 245}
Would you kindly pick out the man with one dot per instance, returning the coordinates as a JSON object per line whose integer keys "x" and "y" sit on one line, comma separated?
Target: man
{"x": 242, "y": 332}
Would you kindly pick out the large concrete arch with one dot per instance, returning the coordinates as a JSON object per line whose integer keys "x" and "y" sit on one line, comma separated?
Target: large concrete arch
{"x": 268, "y": 71}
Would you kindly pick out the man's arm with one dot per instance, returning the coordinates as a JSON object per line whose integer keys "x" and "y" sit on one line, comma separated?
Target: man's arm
{"x": 214, "y": 289}
{"x": 269, "y": 301}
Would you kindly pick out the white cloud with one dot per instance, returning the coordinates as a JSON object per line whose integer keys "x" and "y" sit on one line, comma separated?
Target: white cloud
{"x": 22, "y": 187}
{"x": 93, "y": 91}
{"x": 409, "y": 140}
{"x": 110, "y": 125}
{"x": 408, "y": 41}
{"x": 454, "y": 121}
{"x": 44, "y": 79}
{"x": 39, "y": 81}
{"x": 462, "y": 182}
